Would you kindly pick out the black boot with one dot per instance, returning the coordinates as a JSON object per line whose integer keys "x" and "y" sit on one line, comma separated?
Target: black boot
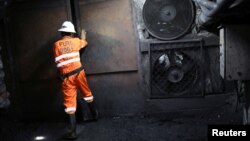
{"x": 93, "y": 110}
{"x": 71, "y": 133}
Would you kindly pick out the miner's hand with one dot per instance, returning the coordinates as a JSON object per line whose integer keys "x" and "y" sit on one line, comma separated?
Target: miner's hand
{"x": 83, "y": 34}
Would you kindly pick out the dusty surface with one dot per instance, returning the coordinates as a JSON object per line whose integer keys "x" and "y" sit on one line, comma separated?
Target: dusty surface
{"x": 170, "y": 126}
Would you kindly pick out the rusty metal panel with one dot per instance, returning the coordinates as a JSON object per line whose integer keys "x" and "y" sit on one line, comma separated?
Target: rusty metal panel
{"x": 235, "y": 50}
{"x": 112, "y": 45}
{"x": 117, "y": 94}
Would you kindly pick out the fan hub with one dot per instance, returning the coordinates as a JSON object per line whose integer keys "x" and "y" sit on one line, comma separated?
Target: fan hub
{"x": 175, "y": 74}
{"x": 167, "y": 13}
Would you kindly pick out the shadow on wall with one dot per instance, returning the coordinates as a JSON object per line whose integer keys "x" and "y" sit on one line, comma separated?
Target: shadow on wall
{"x": 32, "y": 27}
{"x": 38, "y": 90}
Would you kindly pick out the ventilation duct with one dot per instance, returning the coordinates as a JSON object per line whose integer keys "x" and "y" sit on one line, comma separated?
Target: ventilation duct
{"x": 176, "y": 69}
{"x": 168, "y": 19}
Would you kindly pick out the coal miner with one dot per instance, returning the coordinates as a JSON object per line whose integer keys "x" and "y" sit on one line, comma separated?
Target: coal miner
{"x": 67, "y": 57}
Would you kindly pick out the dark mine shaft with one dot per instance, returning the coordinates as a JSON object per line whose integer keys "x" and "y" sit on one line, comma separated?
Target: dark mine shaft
{"x": 159, "y": 70}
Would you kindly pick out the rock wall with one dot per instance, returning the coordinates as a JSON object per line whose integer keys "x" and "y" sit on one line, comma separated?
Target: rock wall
{"x": 4, "y": 94}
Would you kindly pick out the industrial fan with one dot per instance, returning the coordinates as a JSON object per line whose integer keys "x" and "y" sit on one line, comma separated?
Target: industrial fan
{"x": 168, "y": 19}
{"x": 175, "y": 73}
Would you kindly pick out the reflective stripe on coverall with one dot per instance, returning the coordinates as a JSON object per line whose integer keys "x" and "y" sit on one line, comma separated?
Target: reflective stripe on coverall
{"x": 67, "y": 57}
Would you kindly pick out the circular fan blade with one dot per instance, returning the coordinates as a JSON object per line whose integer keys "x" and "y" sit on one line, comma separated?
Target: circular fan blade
{"x": 168, "y": 19}
{"x": 179, "y": 76}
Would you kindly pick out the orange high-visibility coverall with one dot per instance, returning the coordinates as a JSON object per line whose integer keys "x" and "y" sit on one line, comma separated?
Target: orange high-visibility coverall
{"x": 67, "y": 58}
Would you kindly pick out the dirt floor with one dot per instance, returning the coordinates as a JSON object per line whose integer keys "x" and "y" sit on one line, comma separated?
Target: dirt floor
{"x": 170, "y": 126}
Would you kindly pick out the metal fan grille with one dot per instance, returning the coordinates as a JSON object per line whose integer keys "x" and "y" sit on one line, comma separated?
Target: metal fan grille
{"x": 175, "y": 70}
{"x": 168, "y": 19}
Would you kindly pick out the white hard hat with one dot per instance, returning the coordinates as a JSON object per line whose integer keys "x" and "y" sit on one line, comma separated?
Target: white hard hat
{"x": 67, "y": 26}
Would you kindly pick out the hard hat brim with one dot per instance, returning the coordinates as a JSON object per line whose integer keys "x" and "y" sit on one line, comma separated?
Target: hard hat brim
{"x": 65, "y": 30}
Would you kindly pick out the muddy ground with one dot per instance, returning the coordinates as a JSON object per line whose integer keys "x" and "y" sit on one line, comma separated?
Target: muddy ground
{"x": 190, "y": 125}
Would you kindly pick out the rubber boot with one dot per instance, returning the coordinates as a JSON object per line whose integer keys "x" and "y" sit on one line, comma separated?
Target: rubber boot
{"x": 93, "y": 110}
{"x": 71, "y": 133}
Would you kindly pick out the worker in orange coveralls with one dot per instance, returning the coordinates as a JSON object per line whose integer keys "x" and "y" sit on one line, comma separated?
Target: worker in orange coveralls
{"x": 67, "y": 58}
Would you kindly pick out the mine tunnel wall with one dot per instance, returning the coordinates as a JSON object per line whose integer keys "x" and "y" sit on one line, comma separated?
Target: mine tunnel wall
{"x": 110, "y": 60}
{"x": 116, "y": 59}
